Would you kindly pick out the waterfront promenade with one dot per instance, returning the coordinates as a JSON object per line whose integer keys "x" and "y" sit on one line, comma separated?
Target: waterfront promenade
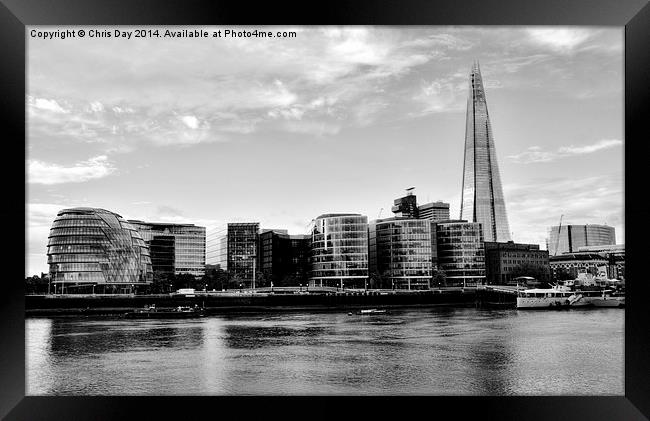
{"x": 263, "y": 299}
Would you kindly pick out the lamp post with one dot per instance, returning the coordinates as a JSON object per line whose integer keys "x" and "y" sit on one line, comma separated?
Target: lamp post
{"x": 206, "y": 288}
{"x": 254, "y": 257}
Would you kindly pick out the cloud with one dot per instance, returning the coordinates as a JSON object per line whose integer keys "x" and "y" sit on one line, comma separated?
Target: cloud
{"x": 323, "y": 75}
{"x": 561, "y": 40}
{"x": 580, "y": 150}
{"x": 190, "y": 121}
{"x": 40, "y": 172}
{"x": 534, "y": 206}
{"x": 45, "y": 104}
{"x": 535, "y": 154}
{"x": 446, "y": 94}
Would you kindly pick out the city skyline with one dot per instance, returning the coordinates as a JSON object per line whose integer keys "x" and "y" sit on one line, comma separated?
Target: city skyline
{"x": 338, "y": 119}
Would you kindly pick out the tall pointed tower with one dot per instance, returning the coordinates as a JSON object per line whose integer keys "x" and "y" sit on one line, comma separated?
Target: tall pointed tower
{"x": 482, "y": 195}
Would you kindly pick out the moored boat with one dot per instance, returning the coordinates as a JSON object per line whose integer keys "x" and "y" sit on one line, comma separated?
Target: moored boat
{"x": 562, "y": 296}
{"x": 609, "y": 299}
{"x": 151, "y": 312}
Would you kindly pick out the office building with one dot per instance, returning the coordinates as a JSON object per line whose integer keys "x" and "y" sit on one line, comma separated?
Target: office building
{"x": 570, "y": 238}
{"x": 95, "y": 250}
{"x": 284, "y": 258}
{"x": 174, "y": 248}
{"x": 339, "y": 251}
{"x": 401, "y": 253}
{"x": 482, "y": 195}
{"x": 506, "y": 261}
{"x": 434, "y": 211}
{"x": 234, "y": 248}
{"x": 461, "y": 253}
{"x": 406, "y": 206}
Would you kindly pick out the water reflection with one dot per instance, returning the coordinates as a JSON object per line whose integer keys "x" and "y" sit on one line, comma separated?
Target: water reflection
{"x": 416, "y": 351}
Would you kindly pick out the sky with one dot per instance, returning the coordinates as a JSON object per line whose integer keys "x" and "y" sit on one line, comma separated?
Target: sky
{"x": 336, "y": 119}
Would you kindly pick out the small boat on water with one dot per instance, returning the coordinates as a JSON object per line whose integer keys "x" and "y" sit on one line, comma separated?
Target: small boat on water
{"x": 151, "y": 312}
{"x": 372, "y": 311}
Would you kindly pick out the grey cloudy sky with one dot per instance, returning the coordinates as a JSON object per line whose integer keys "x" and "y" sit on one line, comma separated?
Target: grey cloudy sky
{"x": 337, "y": 119}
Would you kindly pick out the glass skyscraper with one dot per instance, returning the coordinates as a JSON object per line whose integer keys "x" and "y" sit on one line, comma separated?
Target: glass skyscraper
{"x": 90, "y": 247}
{"x": 482, "y": 196}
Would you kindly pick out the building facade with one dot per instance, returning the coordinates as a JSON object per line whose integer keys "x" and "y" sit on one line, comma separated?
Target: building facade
{"x": 506, "y": 261}
{"x": 401, "y": 253}
{"x": 570, "y": 238}
{"x": 339, "y": 251}
{"x": 96, "y": 250}
{"x": 434, "y": 211}
{"x": 482, "y": 195}
{"x": 175, "y": 248}
{"x": 234, "y": 248}
{"x": 284, "y": 258}
{"x": 461, "y": 252}
{"x": 573, "y": 264}
{"x": 615, "y": 255}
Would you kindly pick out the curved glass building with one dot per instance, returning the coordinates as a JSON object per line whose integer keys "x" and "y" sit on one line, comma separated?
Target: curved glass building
{"x": 401, "y": 253}
{"x": 339, "y": 251}
{"x": 90, "y": 247}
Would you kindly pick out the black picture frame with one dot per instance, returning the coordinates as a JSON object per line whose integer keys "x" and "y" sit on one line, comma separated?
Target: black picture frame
{"x": 634, "y": 15}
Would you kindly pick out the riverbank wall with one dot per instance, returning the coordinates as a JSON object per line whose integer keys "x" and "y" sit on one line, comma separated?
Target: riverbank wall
{"x": 215, "y": 303}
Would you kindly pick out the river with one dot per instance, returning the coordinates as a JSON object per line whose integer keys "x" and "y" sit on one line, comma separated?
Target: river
{"x": 421, "y": 351}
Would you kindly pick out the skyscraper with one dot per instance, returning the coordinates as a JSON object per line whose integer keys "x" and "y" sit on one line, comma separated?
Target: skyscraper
{"x": 482, "y": 195}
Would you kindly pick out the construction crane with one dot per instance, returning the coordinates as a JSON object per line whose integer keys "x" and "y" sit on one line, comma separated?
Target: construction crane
{"x": 380, "y": 211}
{"x": 557, "y": 241}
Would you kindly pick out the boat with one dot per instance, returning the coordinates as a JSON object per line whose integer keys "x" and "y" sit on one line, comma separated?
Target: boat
{"x": 372, "y": 311}
{"x": 555, "y": 297}
{"x": 565, "y": 296}
{"x": 151, "y": 312}
{"x": 609, "y": 298}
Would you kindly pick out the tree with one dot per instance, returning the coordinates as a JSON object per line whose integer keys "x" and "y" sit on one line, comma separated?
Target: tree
{"x": 36, "y": 285}
{"x": 439, "y": 278}
{"x": 541, "y": 273}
